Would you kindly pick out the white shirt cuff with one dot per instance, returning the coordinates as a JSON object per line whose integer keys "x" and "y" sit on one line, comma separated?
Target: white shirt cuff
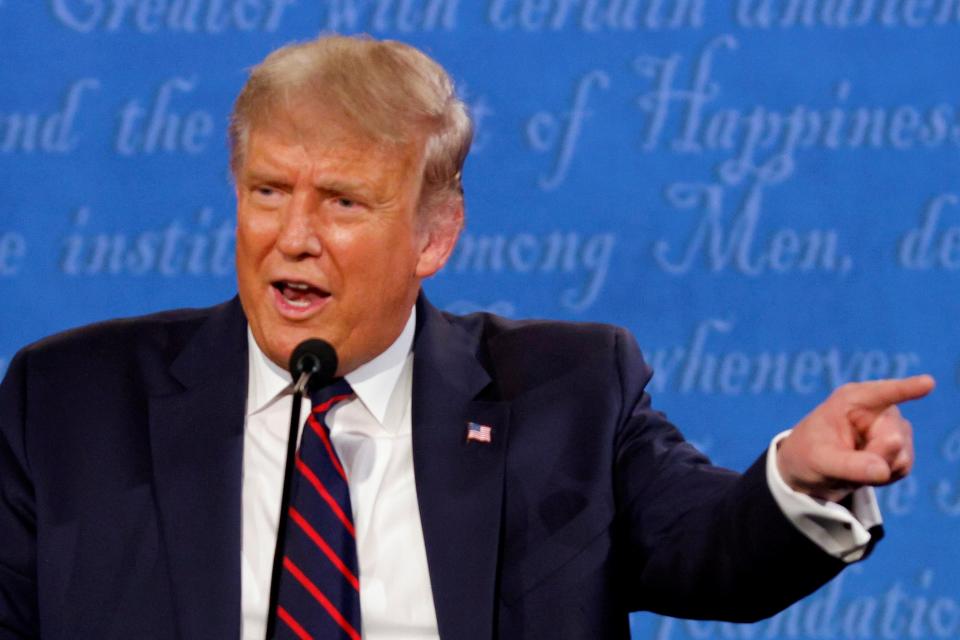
{"x": 840, "y": 532}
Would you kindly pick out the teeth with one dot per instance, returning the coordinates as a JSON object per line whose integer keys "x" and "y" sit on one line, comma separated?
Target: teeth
{"x": 298, "y": 286}
{"x": 298, "y": 303}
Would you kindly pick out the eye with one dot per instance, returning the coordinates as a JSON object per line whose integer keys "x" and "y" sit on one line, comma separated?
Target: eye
{"x": 266, "y": 195}
{"x": 346, "y": 203}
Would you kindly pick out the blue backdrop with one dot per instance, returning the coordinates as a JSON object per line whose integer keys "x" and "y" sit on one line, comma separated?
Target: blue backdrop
{"x": 764, "y": 191}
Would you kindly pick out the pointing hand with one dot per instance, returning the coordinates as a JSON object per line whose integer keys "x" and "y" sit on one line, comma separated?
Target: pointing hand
{"x": 856, "y": 437}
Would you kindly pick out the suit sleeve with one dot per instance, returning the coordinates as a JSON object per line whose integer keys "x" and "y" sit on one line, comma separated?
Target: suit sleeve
{"x": 702, "y": 542}
{"x": 18, "y": 570}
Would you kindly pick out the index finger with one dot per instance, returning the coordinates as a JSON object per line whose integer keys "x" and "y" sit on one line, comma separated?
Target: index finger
{"x": 879, "y": 394}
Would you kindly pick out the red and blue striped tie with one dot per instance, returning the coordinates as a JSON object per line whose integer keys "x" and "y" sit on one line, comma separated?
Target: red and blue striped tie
{"x": 319, "y": 595}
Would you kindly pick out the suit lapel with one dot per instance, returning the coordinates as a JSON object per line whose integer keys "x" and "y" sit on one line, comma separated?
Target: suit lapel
{"x": 196, "y": 435}
{"x": 459, "y": 482}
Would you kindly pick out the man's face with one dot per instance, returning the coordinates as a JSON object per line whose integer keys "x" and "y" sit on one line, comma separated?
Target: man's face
{"x": 328, "y": 243}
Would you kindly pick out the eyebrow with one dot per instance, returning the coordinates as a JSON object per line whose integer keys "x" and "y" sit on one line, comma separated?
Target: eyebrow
{"x": 333, "y": 185}
{"x": 263, "y": 174}
{"x": 327, "y": 185}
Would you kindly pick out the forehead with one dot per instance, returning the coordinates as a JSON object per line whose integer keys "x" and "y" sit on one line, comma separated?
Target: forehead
{"x": 325, "y": 139}
{"x": 332, "y": 152}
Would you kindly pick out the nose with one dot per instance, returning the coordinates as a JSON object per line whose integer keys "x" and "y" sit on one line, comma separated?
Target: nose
{"x": 299, "y": 236}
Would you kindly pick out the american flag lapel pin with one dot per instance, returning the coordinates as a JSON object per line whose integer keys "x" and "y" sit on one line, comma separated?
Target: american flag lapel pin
{"x": 479, "y": 432}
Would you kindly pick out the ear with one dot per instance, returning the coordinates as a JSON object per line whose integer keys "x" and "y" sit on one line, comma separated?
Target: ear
{"x": 439, "y": 235}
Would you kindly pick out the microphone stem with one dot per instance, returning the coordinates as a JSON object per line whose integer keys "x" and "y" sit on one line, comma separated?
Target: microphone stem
{"x": 301, "y": 385}
{"x": 279, "y": 551}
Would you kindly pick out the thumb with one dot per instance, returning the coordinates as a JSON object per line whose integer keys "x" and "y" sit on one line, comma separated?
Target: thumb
{"x": 850, "y": 466}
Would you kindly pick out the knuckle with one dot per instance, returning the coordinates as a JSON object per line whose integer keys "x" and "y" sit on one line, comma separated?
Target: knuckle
{"x": 895, "y": 440}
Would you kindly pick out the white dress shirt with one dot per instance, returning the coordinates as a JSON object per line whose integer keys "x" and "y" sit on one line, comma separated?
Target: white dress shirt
{"x": 372, "y": 436}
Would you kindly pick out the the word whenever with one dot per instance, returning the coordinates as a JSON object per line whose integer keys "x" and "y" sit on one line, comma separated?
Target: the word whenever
{"x": 186, "y": 16}
{"x": 200, "y": 249}
{"x": 697, "y": 367}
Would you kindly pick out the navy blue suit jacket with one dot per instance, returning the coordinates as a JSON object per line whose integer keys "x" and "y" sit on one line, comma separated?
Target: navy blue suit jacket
{"x": 120, "y": 506}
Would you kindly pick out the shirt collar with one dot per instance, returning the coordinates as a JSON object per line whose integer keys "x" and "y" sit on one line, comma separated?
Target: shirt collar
{"x": 373, "y": 382}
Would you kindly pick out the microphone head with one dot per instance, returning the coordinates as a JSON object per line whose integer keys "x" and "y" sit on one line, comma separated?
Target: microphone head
{"x": 317, "y": 358}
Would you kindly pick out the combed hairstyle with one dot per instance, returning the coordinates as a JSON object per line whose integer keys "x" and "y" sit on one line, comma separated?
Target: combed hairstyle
{"x": 393, "y": 92}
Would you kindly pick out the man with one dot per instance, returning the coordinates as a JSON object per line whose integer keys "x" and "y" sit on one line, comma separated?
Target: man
{"x": 507, "y": 479}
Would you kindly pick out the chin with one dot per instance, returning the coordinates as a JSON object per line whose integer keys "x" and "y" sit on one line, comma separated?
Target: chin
{"x": 292, "y": 338}
{"x": 278, "y": 351}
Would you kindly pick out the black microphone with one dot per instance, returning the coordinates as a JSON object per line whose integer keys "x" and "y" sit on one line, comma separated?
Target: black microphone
{"x": 313, "y": 365}
{"x": 315, "y": 358}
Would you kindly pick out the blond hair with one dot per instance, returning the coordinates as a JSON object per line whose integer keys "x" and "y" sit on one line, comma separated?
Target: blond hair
{"x": 392, "y": 91}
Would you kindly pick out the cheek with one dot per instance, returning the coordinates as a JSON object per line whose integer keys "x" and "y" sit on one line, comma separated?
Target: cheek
{"x": 376, "y": 269}
{"x": 255, "y": 233}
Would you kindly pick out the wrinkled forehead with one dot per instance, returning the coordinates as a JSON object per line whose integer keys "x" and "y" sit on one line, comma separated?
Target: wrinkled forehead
{"x": 330, "y": 146}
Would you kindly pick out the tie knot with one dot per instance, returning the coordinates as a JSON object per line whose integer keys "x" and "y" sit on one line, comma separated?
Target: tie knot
{"x": 325, "y": 397}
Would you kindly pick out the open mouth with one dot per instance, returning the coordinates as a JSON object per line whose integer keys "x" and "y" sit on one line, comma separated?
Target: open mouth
{"x": 299, "y": 295}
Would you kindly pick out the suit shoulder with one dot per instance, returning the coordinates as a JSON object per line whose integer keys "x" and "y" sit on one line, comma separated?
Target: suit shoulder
{"x": 117, "y": 340}
{"x": 548, "y": 334}
{"x": 533, "y": 351}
